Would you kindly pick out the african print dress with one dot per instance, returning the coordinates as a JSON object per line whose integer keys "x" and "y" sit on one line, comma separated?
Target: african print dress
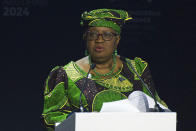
{"x": 64, "y": 85}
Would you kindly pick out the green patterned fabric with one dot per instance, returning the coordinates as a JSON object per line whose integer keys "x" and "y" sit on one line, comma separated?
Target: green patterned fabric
{"x": 106, "y": 96}
{"x": 111, "y": 18}
{"x": 139, "y": 65}
{"x": 63, "y": 88}
{"x": 55, "y": 99}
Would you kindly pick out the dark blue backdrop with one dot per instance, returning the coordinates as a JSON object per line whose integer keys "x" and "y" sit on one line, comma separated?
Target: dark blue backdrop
{"x": 38, "y": 35}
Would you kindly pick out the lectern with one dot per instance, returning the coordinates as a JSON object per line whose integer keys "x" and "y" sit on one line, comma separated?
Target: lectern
{"x": 119, "y": 121}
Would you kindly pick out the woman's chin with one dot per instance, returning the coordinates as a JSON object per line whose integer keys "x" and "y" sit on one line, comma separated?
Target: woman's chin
{"x": 100, "y": 58}
{"x": 98, "y": 55}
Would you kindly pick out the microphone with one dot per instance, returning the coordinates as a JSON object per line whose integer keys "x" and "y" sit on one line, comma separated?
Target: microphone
{"x": 157, "y": 107}
{"x": 139, "y": 100}
{"x": 92, "y": 66}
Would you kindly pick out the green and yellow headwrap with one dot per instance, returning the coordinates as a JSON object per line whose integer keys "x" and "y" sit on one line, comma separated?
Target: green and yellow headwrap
{"x": 111, "y": 18}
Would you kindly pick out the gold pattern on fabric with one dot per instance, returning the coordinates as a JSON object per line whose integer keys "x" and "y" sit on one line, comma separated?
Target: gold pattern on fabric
{"x": 77, "y": 106}
{"x": 144, "y": 64}
{"x": 55, "y": 99}
{"x": 118, "y": 83}
{"x": 46, "y": 91}
{"x": 134, "y": 66}
{"x": 64, "y": 104}
{"x": 72, "y": 72}
{"x": 106, "y": 96}
{"x": 61, "y": 117}
{"x": 48, "y": 122}
{"x": 139, "y": 66}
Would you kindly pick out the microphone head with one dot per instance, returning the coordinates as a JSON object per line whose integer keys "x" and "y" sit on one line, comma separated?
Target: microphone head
{"x": 139, "y": 100}
{"x": 92, "y": 66}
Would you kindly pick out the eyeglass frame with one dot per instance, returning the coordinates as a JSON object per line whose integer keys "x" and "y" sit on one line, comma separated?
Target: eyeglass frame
{"x": 98, "y": 34}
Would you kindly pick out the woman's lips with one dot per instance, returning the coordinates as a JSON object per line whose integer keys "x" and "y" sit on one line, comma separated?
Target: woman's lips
{"x": 99, "y": 49}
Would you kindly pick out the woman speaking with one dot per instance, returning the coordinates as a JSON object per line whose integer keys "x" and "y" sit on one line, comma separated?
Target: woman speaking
{"x": 101, "y": 76}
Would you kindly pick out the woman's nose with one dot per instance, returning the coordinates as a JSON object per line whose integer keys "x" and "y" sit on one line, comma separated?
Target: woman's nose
{"x": 100, "y": 38}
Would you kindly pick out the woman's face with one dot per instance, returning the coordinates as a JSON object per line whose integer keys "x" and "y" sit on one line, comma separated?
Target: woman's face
{"x": 99, "y": 48}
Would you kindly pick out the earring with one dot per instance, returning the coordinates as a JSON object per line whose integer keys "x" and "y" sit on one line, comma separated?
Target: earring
{"x": 86, "y": 52}
{"x": 115, "y": 52}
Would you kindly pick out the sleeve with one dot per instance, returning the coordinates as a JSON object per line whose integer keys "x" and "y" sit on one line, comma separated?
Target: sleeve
{"x": 147, "y": 77}
{"x": 56, "y": 104}
{"x": 143, "y": 70}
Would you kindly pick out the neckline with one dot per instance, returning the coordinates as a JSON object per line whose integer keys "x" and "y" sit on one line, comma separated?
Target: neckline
{"x": 93, "y": 77}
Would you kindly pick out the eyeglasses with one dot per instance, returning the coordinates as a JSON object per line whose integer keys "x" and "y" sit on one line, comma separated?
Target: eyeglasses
{"x": 94, "y": 35}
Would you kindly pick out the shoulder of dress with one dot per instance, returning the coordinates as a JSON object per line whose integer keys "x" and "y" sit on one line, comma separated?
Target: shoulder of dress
{"x": 55, "y": 68}
{"x": 72, "y": 71}
{"x": 68, "y": 65}
{"x": 138, "y": 63}
{"x": 137, "y": 60}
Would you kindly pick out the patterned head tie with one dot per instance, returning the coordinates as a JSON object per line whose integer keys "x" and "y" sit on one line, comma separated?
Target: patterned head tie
{"x": 111, "y": 18}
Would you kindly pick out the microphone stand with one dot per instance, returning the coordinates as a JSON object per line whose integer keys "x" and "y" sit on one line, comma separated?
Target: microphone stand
{"x": 81, "y": 107}
{"x": 157, "y": 107}
{"x": 92, "y": 66}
